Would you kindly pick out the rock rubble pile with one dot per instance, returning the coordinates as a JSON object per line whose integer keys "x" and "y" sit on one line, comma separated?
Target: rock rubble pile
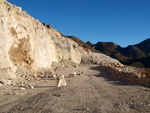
{"x": 125, "y": 73}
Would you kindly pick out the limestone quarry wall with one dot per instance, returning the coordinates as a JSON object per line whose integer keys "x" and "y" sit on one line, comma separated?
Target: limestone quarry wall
{"x": 24, "y": 41}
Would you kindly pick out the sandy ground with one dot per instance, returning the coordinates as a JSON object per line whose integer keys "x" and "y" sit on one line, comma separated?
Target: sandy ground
{"x": 90, "y": 91}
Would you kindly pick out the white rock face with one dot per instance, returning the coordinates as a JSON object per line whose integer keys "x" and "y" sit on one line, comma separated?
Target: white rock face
{"x": 24, "y": 41}
{"x": 5, "y": 41}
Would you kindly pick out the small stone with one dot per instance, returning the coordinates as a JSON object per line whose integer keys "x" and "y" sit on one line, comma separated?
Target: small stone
{"x": 87, "y": 109}
{"x": 29, "y": 85}
{"x": 32, "y": 87}
{"x": 52, "y": 72}
{"x": 76, "y": 66}
{"x": 73, "y": 74}
{"x": 61, "y": 81}
{"x": 22, "y": 88}
{"x": 54, "y": 76}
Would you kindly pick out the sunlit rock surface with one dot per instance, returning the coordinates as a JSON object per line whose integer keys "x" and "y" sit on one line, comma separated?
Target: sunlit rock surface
{"x": 26, "y": 42}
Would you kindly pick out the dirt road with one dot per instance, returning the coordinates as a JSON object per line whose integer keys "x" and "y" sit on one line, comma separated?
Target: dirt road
{"x": 90, "y": 91}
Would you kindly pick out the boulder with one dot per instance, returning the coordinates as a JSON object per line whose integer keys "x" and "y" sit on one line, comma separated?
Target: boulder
{"x": 61, "y": 81}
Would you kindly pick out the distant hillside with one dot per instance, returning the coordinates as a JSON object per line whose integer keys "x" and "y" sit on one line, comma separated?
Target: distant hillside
{"x": 144, "y": 46}
{"x": 108, "y": 48}
{"x": 136, "y": 55}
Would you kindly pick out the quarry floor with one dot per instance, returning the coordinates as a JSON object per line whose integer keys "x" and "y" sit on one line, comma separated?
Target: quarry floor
{"x": 90, "y": 91}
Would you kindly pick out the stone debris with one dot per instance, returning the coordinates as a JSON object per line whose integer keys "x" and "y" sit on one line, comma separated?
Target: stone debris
{"x": 22, "y": 88}
{"x": 87, "y": 109}
{"x": 126, "y": 74}
{"x": 99, "y": 59}
{"x": 73, "y": 74}
{"x": 61, "y": 81}
{"x": 12, "y": 92}
{"x": 65, "y": 63}
{"x": 54, "y": 76}
{"x": 30, "y": 86}
{"x": 26, "y": 85}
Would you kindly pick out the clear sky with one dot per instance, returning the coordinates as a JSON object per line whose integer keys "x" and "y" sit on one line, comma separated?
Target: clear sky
{"x": 124, "y": 22}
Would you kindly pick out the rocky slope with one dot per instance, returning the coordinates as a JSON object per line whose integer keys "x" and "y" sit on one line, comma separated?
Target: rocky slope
{"x": 27, "y": 44}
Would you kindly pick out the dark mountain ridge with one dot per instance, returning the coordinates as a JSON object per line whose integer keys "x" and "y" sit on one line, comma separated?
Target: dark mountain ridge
{"x": 144, "y": 46}
{"x": 136, "y": 55}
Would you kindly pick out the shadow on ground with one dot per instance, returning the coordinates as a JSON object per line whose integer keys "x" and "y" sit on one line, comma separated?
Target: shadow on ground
{"x": 111, "y": 80}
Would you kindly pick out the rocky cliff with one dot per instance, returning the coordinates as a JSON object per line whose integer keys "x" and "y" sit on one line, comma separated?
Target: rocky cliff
{"x": 26, "y": 42}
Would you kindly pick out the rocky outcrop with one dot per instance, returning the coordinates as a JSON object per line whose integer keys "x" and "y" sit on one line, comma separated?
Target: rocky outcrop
{"x": 27, "y": 42}
{"x": 28, "y": 46}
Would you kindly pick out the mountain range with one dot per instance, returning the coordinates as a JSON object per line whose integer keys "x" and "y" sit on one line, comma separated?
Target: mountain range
{"x": 134, "y": 55}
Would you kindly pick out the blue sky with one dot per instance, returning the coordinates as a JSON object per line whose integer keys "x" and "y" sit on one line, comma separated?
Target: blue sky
{"x": 124, "y": 22}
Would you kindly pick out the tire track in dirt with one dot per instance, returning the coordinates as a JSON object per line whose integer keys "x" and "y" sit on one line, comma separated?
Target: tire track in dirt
{"x": 35, "y": 103}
